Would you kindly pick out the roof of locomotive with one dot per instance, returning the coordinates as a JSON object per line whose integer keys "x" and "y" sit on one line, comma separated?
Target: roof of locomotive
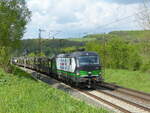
{"x": 83, "y": 53}
{"x": 78, "y": 53}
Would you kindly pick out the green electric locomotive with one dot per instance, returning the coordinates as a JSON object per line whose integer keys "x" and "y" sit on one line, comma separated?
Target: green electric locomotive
{"x": 79, "y": 68}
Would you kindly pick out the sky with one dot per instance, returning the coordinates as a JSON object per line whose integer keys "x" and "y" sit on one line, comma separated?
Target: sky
{"x": 77, "y": 18}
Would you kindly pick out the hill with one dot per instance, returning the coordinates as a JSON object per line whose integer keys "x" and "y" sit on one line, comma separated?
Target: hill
{"x": 129, "y": 35}
{"x": 48, "y": 46}
{"x": 132, "y": 34}
{"x": 54, "y": 46}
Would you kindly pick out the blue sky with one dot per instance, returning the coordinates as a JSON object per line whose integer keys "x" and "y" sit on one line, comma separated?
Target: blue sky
{"x": 76, "y": 18}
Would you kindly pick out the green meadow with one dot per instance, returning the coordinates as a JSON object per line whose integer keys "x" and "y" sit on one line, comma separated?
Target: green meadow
{"x": 130, "y": 79}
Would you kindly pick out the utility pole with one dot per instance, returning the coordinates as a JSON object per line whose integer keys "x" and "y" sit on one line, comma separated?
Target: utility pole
{"x": 60, "y": 44}
{"x": 40, "y": 41}
{"x": 104, "y": 50}
{"x": 52, "y": 34}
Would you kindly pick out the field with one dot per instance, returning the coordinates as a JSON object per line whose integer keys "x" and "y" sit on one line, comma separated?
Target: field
{"x": 82, "y": 39}
{"x": 130, "y": 79}
{"x": 19, "y": 93}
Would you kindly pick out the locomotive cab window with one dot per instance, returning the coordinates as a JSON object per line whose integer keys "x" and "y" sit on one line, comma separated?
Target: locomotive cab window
{"x": 88, "y": 60}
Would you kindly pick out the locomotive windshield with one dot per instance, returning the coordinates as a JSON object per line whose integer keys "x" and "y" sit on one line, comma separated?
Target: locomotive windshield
{"x": 88, "y": 60}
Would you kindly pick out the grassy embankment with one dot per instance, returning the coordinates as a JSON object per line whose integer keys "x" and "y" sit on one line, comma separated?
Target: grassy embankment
{"x": 130, "y": 79}
{"x": 19, "y": 93}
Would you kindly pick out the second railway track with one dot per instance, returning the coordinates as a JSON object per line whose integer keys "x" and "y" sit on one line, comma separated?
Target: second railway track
{"x": 136, "y": 93}
{"x": 144, "y": 97}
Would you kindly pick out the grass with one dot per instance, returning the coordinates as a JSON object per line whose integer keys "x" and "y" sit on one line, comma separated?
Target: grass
{"x": 19, "y": 93}
{"x": 130, "y": 79}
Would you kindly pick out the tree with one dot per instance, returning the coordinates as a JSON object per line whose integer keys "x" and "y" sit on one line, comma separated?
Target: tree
{"x": 14, "y": 15}
{"x": 144, "y": 22}
{"x": 144, "y": 16}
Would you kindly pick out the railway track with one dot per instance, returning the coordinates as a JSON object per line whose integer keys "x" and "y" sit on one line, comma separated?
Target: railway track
{"x": 123, "y": 89}
{"x": 116, "y": 102}
{"x": 144, "y": 97}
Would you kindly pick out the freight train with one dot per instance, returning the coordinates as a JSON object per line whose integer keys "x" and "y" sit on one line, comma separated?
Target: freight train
{"x": 80, "y": 69}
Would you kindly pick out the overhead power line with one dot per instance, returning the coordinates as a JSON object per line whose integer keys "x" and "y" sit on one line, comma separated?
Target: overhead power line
{"x": 105, "y": 26}
{"x": 118, "y": 20}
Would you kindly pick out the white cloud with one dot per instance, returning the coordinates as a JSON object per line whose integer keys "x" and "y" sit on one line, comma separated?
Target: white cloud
{"x": 39, "y": 5}
{"x": 77, "y": 15}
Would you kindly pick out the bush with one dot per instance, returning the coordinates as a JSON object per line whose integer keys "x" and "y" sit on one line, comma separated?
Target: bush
{"x": 1, "y": 74}
{"x": 4, "y": 58}
{"x": 135, "y": 60}
{"x": 146, "y": 67}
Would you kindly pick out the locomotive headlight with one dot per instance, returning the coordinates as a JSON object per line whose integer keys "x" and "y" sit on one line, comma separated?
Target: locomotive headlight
{"x": 89, "y": 73}
{"x": 78, "y": 73}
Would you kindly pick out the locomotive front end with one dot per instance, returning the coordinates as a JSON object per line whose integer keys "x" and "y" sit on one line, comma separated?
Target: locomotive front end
{"x": 89, "y": 69}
